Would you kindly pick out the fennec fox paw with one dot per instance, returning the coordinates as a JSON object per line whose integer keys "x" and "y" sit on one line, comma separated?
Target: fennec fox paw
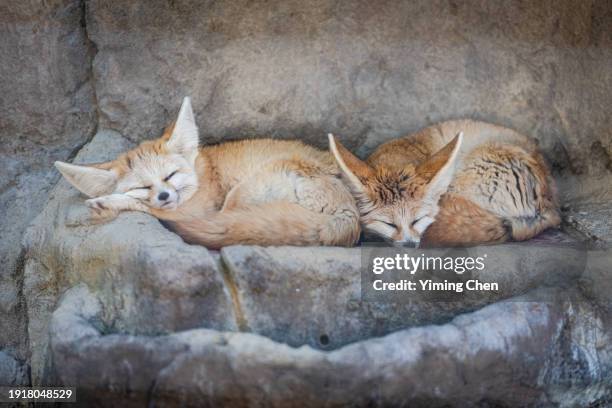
{"x": 109, "y": 206}
{"x": 101, "y": 209}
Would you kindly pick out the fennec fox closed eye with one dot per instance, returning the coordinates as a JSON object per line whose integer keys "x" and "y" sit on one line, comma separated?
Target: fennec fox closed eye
{"x": 259, "y": 191}
{"x": 158, "y": 174}
{"x": 455, "y": 183}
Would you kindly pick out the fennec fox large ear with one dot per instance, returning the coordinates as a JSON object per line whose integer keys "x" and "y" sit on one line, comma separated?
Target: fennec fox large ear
{"x": 92, "y": 181}
{"x": 184, "y": 139}
{"x": 354, "y": 169}
{"x": 439, "y": 169}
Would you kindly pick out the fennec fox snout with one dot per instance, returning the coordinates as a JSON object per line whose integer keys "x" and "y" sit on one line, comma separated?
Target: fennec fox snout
{"x": 258, "y": 191}
{"x": 455, "y": 183}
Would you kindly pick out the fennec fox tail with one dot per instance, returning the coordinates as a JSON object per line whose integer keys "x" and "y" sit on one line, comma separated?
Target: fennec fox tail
{"x": 276, "y": 223}
{"x": 265, "y": 192}
{"x": 455, "y": 183}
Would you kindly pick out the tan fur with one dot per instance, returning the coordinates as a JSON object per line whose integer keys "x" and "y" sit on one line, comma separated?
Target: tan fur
{"x": 499, "y": 187}
{"x": 261, "y": 191}
{"x": 266, "y": 192}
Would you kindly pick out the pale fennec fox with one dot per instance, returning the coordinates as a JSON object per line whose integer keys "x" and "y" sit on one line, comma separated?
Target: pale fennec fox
{"x": 262, "y": 192}
{"x": 456, "y": 183}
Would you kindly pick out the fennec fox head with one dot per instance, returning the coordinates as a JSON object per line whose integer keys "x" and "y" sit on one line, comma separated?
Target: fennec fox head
{"x": 159, "y": 173}
{"x": 398, "y": 205}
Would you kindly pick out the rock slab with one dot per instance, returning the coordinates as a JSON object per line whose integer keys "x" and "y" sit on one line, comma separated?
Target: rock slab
{"x": 518, "y": 353}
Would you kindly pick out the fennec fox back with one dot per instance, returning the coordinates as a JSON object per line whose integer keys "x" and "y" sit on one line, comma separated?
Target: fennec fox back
{"x": 262, "y": 192}
{"x": 455, "y": 183}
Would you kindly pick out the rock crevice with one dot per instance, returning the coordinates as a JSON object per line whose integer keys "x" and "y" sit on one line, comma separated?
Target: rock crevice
{"x": 232, "y": 288}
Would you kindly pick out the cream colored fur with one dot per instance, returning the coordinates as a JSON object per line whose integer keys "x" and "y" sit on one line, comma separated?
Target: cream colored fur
{"x": 261, "y": 191}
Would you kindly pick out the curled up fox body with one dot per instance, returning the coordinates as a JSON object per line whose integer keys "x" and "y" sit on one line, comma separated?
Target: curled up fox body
{"x": 456, "y": 183}
{"x": 264, "y": 192}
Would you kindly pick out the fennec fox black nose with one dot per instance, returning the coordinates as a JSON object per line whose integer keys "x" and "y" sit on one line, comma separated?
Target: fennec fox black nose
{"x": 163, "y": 196}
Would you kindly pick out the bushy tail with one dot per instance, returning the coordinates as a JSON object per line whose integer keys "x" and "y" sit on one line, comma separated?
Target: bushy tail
{"x": 270, "y": 224}
{"x": 460, "y": 222}
{"x": 524, "y": 228}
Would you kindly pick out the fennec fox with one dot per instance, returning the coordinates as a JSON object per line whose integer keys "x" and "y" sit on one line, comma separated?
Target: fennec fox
{"x": 455, "y": 183}
{"x": 261, "y": 192}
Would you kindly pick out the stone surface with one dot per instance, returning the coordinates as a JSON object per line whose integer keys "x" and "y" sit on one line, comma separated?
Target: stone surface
{"x": 587, "y": 206}
{"x": 47, "y": 111}
{"x": 511, "y": 353}
{"x": 12, "y": 372}
{"x": 148, "y": 281}
{"x": 367, "y": 71}
{"x": 317, "y": 296}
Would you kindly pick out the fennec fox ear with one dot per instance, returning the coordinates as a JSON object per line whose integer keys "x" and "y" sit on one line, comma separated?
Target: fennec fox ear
{"x": 439, "y": 169}
{"x": 89, "y": 180}
{"x": 354, "y": 169}
{"x": 185, "y": 138}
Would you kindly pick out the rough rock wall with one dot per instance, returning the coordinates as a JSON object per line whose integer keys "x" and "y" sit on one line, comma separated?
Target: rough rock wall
{"x": 47, "y": 112}
{"x": 368, "y": 71}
